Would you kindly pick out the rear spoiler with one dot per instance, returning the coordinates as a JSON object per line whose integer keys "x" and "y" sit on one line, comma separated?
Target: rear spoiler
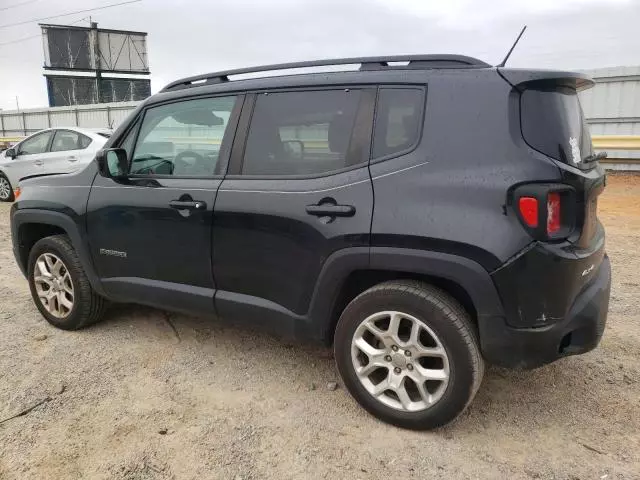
{"x": 519, "y": 78}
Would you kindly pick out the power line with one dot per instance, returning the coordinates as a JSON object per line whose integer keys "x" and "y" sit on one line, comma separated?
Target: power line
{"x": 67, "y": 14}
{"x": 17, "y": 5}
{"x": 19, "y": 40}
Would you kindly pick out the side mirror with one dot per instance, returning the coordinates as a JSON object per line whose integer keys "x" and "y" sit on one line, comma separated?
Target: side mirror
{"x": 11, "y": 153}
{"x": 294, "y": 148}
{"x": 113, "y": 163}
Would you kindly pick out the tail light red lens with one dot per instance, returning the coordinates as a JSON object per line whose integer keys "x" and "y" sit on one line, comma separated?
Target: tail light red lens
{"x": 528, "y": 207}
{"x": 548, "y": 211}
{"x": 553, "y": 213}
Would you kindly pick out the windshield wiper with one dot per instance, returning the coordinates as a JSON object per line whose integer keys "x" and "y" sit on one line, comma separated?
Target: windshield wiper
{"x": 594, "y": 157}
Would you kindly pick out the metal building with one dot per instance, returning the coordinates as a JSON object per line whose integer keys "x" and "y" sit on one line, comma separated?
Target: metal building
{"x": 16, "y": 124}
{"x": 612, "y": 106}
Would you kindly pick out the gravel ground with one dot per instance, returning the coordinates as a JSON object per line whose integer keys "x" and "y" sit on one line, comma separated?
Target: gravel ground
{"x": 132, "y": 399}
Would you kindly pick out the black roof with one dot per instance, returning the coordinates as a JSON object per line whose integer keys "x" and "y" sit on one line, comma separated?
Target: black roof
{"x": 399, "y": 62}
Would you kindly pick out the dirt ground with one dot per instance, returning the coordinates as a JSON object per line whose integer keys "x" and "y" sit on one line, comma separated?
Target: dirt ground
{"x": 132, "y": 399}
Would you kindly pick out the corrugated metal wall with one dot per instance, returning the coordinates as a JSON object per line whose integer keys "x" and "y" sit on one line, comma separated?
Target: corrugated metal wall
{"x": 25, "y": 122}
{"x": 612, "y": 106}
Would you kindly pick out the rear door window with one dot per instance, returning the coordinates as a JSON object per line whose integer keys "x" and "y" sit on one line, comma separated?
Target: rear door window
{"x": 68, "y": 140}
{"x": 398, "y": 121}
{"x": 553, "y": 123}
{"x": 302, "y": 133}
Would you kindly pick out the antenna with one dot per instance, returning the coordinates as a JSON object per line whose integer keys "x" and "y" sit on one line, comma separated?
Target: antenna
{"x": 504, "y": 62}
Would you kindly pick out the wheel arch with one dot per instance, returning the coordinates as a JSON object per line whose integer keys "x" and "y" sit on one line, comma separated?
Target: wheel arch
{"x": 30, "y": 225}
{"x": 464, "y": 279}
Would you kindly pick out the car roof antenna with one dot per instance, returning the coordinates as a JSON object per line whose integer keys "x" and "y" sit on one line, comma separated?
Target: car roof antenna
{"x": 504, "y": 62}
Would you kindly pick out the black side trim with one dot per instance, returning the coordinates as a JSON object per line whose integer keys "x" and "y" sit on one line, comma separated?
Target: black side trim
{"x": 467, "y": 273}
{"x": 260, "y": 313}
{"x": 78, "y": 239}
{"x": 155, "y": 293}
{"x": 489, "y": 261}
{"x": 317, "y": 323}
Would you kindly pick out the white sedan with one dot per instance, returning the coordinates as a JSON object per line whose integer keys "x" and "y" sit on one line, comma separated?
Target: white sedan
{"x": 55, "y": 150}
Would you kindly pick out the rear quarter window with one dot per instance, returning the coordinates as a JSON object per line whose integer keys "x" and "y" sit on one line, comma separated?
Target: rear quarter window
{"x": 553, "y": 123}
{"x": 398, "y": 121}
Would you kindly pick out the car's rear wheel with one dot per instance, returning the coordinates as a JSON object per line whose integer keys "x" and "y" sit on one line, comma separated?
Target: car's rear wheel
{"x": 409, "y": 354}
{"x": 60, "y": 287}
{"x": 6, "y": 192}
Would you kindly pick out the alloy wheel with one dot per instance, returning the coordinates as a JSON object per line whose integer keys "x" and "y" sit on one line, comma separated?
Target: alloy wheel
{"x": 400, "y": 361}
{"x": 5, "y": 189}
{"x": 53, "y": 285}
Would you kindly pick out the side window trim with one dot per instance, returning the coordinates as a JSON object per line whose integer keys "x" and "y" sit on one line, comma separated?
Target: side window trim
{"x": 134, "y": 128}
{"x": 362, "y": 133}
{"x": 242, "y": 133}
{"x": 225, "y": 146}
{"x": 80, "y": 137}
{"x": 53, "y": 138}
{"x": 423, "y": 108}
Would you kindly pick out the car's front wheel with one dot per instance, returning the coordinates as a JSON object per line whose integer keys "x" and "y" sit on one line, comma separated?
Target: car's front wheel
{"x": 6, "y": 192}
{"x": 409, "y": 354}
{"x": 59, "y": 286}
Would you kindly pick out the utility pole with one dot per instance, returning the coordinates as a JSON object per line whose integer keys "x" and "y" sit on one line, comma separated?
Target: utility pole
{"x": 17, "y": 103}
{"x": 96, "y": 56}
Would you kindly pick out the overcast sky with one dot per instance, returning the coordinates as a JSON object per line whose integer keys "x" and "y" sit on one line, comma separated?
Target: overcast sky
{"x": 196, "y": 36}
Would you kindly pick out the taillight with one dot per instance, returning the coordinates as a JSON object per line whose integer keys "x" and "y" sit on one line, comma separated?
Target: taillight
{"x": 546, "y": 210}
{"x": 553, "y": 213}
{"x": 528, "y": 207}
{"x": 16, "y": 193}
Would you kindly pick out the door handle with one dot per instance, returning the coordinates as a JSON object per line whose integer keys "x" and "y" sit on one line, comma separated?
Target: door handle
{"x": 38, "y": 162}
{"x": 72, "y": 159}
{"x": 330, "y": 210}
{"x": 187, "y": 205}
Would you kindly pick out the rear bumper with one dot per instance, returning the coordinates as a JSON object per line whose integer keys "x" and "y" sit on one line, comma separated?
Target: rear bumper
{"x": 578, "y": 332}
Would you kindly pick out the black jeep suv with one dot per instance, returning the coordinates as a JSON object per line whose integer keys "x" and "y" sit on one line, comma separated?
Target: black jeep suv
{"x": 422, "y": 214}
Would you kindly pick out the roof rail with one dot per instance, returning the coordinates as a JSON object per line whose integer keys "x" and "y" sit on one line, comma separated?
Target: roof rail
{"x": 418, "y": 62}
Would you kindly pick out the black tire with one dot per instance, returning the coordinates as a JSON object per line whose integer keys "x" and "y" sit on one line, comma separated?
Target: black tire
{"x": 450, "y": 322}
{"x": 88, "y": 306}
{"x": 11, "y": 196}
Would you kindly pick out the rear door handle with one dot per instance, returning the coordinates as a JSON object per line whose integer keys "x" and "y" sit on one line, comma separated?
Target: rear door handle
{"x": 38, "y": 162}
{"x": 187, "y": 205}
{"x": 72, "y": 159}
{"x": 329, "y": 210}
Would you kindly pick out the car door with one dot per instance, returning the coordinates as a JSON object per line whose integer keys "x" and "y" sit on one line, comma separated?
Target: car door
{"x": 31, "y": 153}
{"x": 298, "y": 190}
{"x": 150, "y": 236}
{"x": 67, "y": 152}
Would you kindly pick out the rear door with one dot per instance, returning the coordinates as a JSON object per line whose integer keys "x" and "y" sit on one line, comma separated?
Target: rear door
{"x": 68, "y": 152}
{"x": 298, "y": 189}
{"x": 150, "y": 235}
